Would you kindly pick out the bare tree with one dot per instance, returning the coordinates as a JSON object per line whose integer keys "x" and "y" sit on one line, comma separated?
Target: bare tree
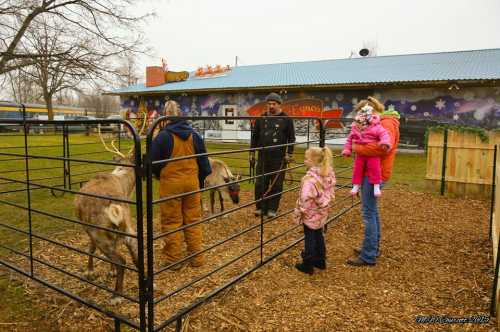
{"x": 106, "y": 22}
{"x": 103, "y": 105}
{"x": 21, "y": 87}
{"x": 128, "y": 71}
{"x": 65, "y": 97}
{"x": 54, "y": 75}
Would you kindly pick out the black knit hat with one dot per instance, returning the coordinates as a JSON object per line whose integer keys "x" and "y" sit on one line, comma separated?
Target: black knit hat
{"x": 274, "y": 97}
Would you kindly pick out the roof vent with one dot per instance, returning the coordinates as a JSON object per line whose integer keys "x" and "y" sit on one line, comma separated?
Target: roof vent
{"x": 369, "y": 49}
{"x": 364, "y": 52}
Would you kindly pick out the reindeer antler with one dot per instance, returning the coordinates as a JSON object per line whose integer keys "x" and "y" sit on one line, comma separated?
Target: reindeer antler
{"x": 114, "y": 150}
{"x": 143, "y": 124}
{"x": 129, "y": 152}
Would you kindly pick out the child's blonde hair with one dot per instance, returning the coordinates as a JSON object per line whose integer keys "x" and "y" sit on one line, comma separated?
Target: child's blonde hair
{"x": 321, "y": 157}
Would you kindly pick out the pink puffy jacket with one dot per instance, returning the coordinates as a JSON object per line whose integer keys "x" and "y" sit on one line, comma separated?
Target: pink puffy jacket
{"x": 316, "y": 193}
{"x": 373, "y": 133}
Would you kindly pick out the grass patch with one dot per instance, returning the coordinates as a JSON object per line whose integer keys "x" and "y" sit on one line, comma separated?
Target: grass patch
{"x": 17, "y": 310}
{"x": 409, "y": 170}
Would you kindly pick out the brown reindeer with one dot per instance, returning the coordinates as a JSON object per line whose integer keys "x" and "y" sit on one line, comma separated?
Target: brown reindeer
{"x": 222, "y": 174}
{"x": 109, "y": 214}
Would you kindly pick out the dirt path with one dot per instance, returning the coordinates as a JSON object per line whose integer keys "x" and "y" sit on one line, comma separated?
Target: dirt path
{"x": 435, "y": 261}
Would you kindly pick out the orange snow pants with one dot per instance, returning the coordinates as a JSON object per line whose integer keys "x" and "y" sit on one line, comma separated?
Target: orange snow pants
{"x": 179, "y": 177}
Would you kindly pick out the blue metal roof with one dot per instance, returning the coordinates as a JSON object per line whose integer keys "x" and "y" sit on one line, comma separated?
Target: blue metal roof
{"x": 445, "y": 66}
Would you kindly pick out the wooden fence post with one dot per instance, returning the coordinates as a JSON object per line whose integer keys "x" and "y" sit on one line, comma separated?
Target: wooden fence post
{"x": 443, "y": 168}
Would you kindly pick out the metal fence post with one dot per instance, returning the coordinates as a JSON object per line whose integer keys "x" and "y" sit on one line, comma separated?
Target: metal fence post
{"x": 143, "y": 284}
{"x": 322, "y": 134}
{"x": 67, "y": 169}
{"x": 308, "y": 124}
{"x": 148, "y": 165}
{"x": 443, "y": 168}
{"x": 120, "y": 136}
{"x": 28, "y": 191}
{"x": 178, "y": 325}
{"x": 264, "y": 203}
{"x": 65, "y": 173}
{"x": 252, "y": 161}
{"x": 24, "y": 111}
{"x": 493, "y": 188}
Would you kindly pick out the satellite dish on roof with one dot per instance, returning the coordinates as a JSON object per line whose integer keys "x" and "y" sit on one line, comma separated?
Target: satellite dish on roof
{"x": 364, "y": 52}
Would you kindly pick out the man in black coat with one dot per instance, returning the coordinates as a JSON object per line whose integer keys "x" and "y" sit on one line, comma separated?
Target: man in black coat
{"x": 273, "y": 128}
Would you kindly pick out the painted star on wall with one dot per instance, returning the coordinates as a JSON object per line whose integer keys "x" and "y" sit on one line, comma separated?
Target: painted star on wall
{"x": 456, "y": 117}
{"x": 440, "y": 104}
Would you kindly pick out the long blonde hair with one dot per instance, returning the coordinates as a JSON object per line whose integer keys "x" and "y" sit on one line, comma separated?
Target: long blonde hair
{"x": 322, "y": 157}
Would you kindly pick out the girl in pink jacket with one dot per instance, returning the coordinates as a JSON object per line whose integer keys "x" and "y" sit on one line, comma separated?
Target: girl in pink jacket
{"x": 366, "y": 129}
{"x": 316, "y": 192}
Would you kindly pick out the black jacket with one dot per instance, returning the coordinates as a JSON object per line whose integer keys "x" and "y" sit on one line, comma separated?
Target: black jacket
{"x": 271, "y": 130}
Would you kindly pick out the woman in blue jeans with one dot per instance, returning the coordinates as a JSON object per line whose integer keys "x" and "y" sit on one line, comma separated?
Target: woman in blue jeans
{"x": 370, "y": 250}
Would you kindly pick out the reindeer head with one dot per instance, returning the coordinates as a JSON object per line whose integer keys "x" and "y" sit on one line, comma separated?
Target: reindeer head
{"x": 233, "y": 188}
{"x": 118, "y": 156}
{"x": 125, "y": 173}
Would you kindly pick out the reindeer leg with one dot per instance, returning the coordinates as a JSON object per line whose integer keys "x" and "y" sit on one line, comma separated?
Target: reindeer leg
{"x": 203, "y": 206}
{"x": 120, "y": 272}
{"x": 221, "y": 200}
{"x": 112, "y": 271}
{"x": 90, "y": 274}
{"x": 112, "y": 267}
{"x": 212, "y": 201}
{"x": 131, "y": 244}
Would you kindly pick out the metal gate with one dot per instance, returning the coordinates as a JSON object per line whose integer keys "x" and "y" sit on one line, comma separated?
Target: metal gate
{"x": 45, "y": 242}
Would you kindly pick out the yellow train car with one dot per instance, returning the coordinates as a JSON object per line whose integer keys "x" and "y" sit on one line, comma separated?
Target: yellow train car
{"x": 39, "y": 111}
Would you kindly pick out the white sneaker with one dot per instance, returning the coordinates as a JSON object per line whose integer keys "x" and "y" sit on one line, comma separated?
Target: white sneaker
{"x": 355, "y": 190}
{"x": 271, "y": 214}
{"x": 376, "y": 190}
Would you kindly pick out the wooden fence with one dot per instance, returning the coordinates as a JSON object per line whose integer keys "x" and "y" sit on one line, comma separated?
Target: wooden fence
{"x": 461, "y": 164}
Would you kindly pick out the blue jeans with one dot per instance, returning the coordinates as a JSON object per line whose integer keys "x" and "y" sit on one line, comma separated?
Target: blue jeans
{"x": 371, "y": 219}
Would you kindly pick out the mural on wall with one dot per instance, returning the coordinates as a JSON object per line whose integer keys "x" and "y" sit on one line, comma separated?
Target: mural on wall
{"x": 471, "y": 106}
{"x": 466, "y": 106}
{"x": 306, "y": 107}
{"x": 326, "y": 104}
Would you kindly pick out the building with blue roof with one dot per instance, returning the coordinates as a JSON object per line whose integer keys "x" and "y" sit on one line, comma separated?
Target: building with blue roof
{"x": 461, "y": 87}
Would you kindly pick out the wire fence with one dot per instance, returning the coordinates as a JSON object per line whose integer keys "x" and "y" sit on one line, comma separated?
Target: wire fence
{"x": 44, "y": 173}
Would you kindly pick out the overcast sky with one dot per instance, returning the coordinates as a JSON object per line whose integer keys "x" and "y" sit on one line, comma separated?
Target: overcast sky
{"x": 193, "y": 33}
